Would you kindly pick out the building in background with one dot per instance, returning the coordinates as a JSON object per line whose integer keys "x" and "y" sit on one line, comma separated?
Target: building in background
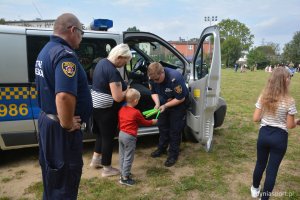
{"x": 32, "y": 23}
{"x": 188, "y": 48}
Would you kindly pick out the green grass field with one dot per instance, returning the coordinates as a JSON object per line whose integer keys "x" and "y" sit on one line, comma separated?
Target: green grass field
{"x": 226, "y": 172}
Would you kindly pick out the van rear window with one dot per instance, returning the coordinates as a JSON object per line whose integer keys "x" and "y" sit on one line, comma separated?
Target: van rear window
{"x": 34, "y": 46}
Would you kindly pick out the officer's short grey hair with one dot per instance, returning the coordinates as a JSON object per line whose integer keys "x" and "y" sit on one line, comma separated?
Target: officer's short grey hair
{"x": 65, "y": 21}
{"x": 120, "y": 50}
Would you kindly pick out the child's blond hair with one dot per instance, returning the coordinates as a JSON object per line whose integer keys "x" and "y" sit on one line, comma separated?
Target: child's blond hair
{"x": 132, "y": 94}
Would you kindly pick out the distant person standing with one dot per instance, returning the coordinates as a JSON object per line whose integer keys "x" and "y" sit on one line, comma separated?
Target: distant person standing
{"x": 236, "y": 67}
{"x": 129, "y": 120}
{"x": 243, "y": 68}
{"x": 65, "y": 101}
{"x": 275, "y": 109}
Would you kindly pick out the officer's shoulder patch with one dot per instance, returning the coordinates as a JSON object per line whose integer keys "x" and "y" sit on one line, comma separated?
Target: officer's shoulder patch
{"x": 69, "y": 68}
{"x": 178, "y": 89}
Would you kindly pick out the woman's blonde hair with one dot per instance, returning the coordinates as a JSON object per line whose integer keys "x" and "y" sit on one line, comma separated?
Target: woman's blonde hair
{"x": 275, "y": 91}
{"x": 120, "y": 50}
{"x": 132, "y": 94}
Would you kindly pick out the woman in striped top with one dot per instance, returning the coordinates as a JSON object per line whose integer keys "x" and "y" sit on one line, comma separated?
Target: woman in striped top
{"x": 108, "y": 92}
{"x": 275, "y": 110}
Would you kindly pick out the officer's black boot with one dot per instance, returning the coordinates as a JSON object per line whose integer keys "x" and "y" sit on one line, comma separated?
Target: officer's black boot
{"x": 158, "y": 152}
{"x": 170, "y": 161}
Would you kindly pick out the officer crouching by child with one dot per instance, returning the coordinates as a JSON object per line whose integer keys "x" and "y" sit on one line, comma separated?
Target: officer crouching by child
{"x": 171, "y": 96}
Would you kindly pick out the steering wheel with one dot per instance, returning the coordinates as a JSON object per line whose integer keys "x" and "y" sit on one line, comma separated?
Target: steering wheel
{"x": 140, "y": 65}
{"x": 139, "y": 72}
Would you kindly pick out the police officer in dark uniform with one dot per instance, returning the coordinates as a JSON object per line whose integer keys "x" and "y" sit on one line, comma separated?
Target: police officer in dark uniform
{"x": 65, "y": 101}
{"x": 170, "y": 95}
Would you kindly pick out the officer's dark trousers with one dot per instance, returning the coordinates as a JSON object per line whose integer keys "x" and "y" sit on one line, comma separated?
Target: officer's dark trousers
{"x": 271, "y": 147}
{"x": 60, "y": 158}
{"x": 171, "y": 123}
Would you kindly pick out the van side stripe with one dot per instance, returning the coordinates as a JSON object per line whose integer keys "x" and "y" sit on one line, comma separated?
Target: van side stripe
{"x": 18, "y": 103}
{"x": 9, "y": 93}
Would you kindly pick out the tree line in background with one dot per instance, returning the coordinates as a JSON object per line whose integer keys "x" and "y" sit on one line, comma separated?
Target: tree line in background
{"x": 236, "y": 40}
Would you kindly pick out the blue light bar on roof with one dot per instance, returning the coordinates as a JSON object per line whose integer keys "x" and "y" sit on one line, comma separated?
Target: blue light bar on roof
{"x": 101, "y": 24}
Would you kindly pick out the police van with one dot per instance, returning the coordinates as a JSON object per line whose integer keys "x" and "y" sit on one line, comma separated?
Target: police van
{"x": 18, "y": 96}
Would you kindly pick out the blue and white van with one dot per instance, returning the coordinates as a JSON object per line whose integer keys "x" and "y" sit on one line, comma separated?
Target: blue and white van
{"x": 18, "y": 97}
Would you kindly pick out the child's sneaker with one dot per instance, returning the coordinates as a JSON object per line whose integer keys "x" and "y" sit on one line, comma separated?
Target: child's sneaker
{"x": 255, "y": 191}
{"x": 130, "y": 176}
{"x": 96, "y": 163}
{"x": 127, "y": 181}
{"x": 109, "y": 171}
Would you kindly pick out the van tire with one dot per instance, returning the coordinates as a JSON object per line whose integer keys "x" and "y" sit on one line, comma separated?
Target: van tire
{"x": 188, "y": 136}
{"x": 220, "y": 113}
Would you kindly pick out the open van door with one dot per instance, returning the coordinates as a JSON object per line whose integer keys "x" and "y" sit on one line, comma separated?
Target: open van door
{"x": 207, "y": 110}
{"x": 148, "y": 48}
{"x": 204, "y": 86}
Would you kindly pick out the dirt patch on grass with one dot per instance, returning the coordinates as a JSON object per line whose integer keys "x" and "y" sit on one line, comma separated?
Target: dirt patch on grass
{"x": 18, "y": 171}
{"x": 240, "y": 179}
{"x": 20, "y": 168}
{"x": 17, "y": 176}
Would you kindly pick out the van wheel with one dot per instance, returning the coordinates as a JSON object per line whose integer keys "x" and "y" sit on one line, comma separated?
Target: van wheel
{"x": 188, "y": 135}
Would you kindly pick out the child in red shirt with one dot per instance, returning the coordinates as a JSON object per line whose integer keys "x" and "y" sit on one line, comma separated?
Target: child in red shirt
{"x": 129, "y": 119}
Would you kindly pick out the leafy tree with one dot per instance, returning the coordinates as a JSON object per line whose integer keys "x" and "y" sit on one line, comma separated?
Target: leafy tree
{"x": 263, "y": 56}
{"x": 231, "y": 49}
{"x": 235, "y": 38}
{"x": 291, "y": 51}
{"x": 275, "y": 47}
{"x": 133, "y": 29}
{"x": 2, "y": 21}
{"x": 256, "y": 57}
{"x": 236, "y": 29}
{"x": 271, "y": 51}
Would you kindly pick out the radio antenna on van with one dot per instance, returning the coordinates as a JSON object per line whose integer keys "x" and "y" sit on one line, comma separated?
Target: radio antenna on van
{"x": 37, "y": 10}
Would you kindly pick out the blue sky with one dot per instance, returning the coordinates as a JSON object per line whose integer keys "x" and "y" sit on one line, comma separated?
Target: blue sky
{"x": 268, "y": 20}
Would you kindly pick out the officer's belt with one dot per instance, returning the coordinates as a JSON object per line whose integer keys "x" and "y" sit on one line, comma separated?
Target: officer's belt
{"x": 53, "y": 117}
